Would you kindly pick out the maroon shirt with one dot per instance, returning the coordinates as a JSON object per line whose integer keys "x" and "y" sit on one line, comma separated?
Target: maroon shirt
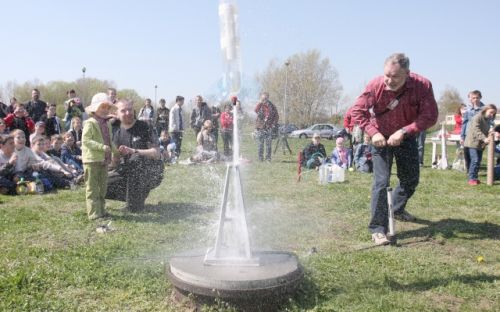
{"x": 417, "y": 109}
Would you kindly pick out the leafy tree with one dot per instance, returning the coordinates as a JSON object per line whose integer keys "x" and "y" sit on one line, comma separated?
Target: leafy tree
{"x": 56, "y": 91}
{"x": 313, "y": 88}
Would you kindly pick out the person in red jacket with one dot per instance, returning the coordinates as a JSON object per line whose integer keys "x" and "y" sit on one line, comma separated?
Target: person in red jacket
{"x": 226, "y": 130}
{"x": 403, "y": 105}
{"x": 458, "y": 118}
{"x": 266, "y": 125}
{"x": 19, "y": 120}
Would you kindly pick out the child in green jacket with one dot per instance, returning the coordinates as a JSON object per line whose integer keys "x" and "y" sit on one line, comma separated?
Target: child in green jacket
{"x": 96, "y": 155}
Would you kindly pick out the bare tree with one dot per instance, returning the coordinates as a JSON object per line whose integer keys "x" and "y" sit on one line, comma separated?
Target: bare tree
{"x": 313, "y": 88}
{"x": 449, "y": 102}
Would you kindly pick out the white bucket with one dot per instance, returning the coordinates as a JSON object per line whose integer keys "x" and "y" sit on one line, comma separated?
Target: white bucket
{"x": 329, "y": 173}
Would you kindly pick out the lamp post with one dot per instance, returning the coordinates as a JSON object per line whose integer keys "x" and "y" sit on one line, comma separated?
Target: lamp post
{"x": 83, "y": 85}
{"x": 156, "y": 103}
{"x": 287, "y": 63}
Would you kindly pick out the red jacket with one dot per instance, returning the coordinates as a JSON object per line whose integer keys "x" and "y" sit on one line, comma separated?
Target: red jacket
{"x": 9, "y": 122}
{"x": 226, "y": 120}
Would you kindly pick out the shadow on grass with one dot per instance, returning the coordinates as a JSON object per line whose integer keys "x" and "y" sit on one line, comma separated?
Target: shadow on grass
{"x": 439, "y": 282}
{"x": 164, "y": 213}
{"x": 452, "y": 228}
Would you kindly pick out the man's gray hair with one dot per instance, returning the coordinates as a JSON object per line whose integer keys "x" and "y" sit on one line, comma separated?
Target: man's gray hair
{"x": 399, "y": 58}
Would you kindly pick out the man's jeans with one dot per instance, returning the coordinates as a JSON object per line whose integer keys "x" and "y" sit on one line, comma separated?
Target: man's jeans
{"x": 177, "y": 138}
{"x": 475, "y": 156}
{"x": 408, "y": 172}
{"x": 265, "y": 136}
{"x": 421, "y": 147}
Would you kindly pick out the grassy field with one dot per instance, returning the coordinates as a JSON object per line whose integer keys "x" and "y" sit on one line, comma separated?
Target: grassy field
{"x": 52, "y": 258}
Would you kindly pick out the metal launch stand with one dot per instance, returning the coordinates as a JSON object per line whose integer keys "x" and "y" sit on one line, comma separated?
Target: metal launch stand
{"x": 232, "y": 225}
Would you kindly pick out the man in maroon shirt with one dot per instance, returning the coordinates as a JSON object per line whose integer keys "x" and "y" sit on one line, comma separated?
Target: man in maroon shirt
{"x": 401, "y": 104}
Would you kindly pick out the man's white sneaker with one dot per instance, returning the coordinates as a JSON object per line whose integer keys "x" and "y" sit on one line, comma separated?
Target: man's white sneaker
{"x": 380, "y": 239}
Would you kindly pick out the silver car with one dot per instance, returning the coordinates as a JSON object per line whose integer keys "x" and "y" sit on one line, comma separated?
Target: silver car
{"x": 325, "y": 131}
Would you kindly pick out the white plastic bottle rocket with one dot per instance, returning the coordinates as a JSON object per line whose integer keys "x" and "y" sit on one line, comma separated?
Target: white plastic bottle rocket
{"x": 230, "y": 47}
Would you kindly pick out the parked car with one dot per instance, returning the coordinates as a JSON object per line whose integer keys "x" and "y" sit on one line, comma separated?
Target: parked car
{"x": 327, "y": 131}
{"x": 288, "y": 128}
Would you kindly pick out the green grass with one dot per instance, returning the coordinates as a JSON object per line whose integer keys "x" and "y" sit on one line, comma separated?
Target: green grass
{"x": 53, "y": 259}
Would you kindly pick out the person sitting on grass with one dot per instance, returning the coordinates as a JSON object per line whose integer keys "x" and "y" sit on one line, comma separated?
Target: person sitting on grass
{"x": 167, "y": 147}
{"x": 363, "y": 156}
{"x": 76, "y": 130}
{"x": 314, "y": 153}
{"x": 341, "y": 156}
{"x": 19, "y": 119}
{"x": 58, "y": 175}
{"x": 39, "y": 130}
{"x": 71, "y": 154}
{"x": 3, "y": 127}
{"x": 26, "y": 159}
{"x": 56, "y": 141}
{"x": 206, "y": 151}
{"x": 7, "y": 165}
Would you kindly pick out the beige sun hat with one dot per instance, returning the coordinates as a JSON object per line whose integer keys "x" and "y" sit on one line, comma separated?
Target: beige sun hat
{"x": 97, "y": 100}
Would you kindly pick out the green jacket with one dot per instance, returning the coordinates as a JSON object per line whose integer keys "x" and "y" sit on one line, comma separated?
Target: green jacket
{"x": 93, "y": 142}
{"x": 477, "y": 131}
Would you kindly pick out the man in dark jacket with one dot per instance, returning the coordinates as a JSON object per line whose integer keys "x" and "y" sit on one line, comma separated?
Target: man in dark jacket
{"x": 199, "y": 114}
{"x": 36, "y": 108}
{"x": 266, "y": 125}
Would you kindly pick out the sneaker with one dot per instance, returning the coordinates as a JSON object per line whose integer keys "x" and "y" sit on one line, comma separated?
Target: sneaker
{"x": 405, "y": 217}
{"x": 473, "y": 182}
{"x": 380, "y": 239}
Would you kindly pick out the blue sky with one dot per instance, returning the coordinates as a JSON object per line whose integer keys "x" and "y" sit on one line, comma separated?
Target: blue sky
{"x": 175, "y": 44}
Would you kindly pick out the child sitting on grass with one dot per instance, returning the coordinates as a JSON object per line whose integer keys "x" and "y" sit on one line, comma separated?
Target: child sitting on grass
{"x": 167, "y": 147}
{"x": 56, "y": 141}
{"x": 341, "y": 156}
{"x": 26, "y": 159}
{"x": 71, "y": 154}
{"x": 7, "y": 165}
{"x": 59, "y": 175}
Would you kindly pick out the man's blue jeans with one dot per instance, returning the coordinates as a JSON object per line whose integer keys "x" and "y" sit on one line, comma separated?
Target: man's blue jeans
{"x": 408, "y": 171}
{"x": 475, "y": 156}
{"x": 265, "y": 136}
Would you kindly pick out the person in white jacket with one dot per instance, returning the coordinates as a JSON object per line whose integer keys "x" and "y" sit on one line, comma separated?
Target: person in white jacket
{"x": 176, "y": 123}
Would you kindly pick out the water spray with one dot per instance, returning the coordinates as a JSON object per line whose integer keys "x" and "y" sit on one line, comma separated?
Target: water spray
{"x": 391, "y": 234}
{"x": 253, "y": 280}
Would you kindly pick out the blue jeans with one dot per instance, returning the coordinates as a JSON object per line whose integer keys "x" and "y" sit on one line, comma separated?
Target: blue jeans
{"x": 421, "y": 146}
{"x": 408, "y": 171}
{"x": 177, "y": 138}
{"x": 475, "y": 156}
{"x": 265, "y": 136}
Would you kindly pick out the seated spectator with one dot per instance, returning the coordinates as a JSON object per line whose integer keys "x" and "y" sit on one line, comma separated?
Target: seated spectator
{"x": 206, "y": 151}
{"x": 39, "y": 130}
{"x": 363, "y": 156}
{"x": 76, "y": 130}
{"x": 71, "y": 154}
{"x": 26, "y": 159}
{"x": 56, "y": 141}
{"x": 20, "y": 120}
{"x": 3, "y": 127}
{"x": 341, "y": 156}
{"x": 53, "y": 124}
{"x": 314, "y": 153}
{"x": 7, "y": 165}
{"x": 167, "y": 147}
{"x": 226, "y": 122}
{"x": 58, "y": 175}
